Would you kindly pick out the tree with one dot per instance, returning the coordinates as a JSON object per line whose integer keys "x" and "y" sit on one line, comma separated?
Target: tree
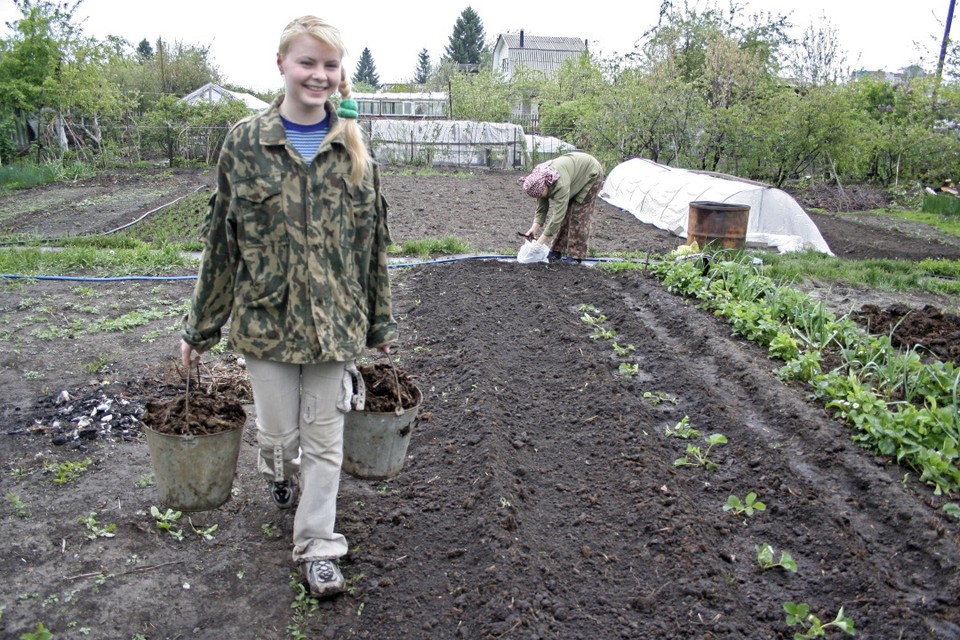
{"x": 818, "y": 58}
{"x": 466, "y": 43}
{"x": 366, "y": 71}
{"x": 422, "y": 74}
{"x": 144, "y": 50}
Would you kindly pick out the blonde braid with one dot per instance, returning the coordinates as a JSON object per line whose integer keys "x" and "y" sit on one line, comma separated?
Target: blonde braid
{"x": 353, "y": 137}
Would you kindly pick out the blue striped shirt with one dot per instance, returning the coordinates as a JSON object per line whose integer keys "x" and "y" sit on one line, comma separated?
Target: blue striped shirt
{"x": 306, "y": 138}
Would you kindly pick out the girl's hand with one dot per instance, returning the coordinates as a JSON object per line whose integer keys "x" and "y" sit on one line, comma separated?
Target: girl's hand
{"x": 188, "y": 355}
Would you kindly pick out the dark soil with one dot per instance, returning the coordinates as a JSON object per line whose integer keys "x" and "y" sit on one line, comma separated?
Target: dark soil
{"x": 539, "y": 497}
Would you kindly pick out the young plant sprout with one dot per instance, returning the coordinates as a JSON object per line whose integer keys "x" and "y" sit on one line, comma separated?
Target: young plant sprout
{"x": 747, "y": 506}
{"x": 765, "y": 558}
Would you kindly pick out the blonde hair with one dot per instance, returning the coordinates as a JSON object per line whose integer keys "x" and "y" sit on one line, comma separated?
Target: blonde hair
{"x": 360, "y": 158}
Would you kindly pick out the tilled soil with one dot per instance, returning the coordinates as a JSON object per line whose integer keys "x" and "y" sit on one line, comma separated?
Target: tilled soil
{"x": 539, "y": 498}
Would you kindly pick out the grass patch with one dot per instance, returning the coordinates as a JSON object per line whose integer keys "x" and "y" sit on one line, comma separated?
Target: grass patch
{"x": 84, "y": 259}
{"x": 23, "y": 176}
{"x": 426, "y": 247}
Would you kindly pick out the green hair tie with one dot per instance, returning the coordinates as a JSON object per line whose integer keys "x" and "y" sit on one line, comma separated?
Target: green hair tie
{"x": 348, "y": 109}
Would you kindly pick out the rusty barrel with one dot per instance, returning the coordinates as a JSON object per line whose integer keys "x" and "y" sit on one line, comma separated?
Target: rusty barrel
{"x": 722, "y": 224}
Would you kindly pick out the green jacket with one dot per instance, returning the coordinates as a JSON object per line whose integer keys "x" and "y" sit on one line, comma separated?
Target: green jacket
{"x": 577, "y": 171}
{"x": 295, "y": 254}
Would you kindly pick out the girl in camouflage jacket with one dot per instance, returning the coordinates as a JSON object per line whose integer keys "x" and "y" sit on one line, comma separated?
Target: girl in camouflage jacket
{"x": 295, "y": 257}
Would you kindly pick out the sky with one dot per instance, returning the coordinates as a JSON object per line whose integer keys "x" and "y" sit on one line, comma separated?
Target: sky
{"x": 243, "y": 43}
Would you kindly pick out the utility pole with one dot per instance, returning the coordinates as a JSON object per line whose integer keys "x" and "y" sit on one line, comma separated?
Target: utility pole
{"x": 943, "y": 49}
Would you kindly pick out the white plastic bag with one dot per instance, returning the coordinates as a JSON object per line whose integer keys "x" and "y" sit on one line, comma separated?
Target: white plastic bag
{"x": 532, "y": 251}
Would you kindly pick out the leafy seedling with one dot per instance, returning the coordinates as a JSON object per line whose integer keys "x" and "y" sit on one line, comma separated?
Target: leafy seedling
{"x": 697, "y": 457}
{"x": 681, "y": 430}
{"x": 19, "y": 507}
{"x": 747, "y": 506}
{"x": 593, "y": 320}
{"x": 623, "y": 351}
{"x": 765, "y": 558}
{"x": 656, "y": 397}
{"x": 207, "y": 533}
{"x": 798, "y": 614}
{"x": 42, "y": 633}
{"x": 166, "y": 521}
{"x": 94, "y": 529}
{"x": 601, "y": 333}
{"x": 629, "y": 369}
{"x": 65, "y": 472}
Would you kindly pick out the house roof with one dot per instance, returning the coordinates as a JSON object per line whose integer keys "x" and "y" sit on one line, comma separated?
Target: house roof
{"x": 539, "y": 53}
{"x": 211, "y": 92}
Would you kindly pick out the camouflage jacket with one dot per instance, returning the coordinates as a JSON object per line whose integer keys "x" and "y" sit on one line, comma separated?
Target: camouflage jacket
{"x": 296, "y": 255}
{"x": 578, "y": 171}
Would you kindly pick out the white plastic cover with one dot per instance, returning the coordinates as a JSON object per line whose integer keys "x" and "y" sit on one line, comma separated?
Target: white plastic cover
{"x": 660, "y": 195}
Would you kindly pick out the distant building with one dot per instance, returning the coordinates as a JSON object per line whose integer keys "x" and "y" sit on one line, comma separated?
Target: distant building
{"x": 212, "y": 93}
{"x": 544, "y": 54}
{"x": 424, "y": 105}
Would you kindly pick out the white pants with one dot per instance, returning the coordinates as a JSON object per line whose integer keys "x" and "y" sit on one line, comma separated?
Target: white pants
{"x": 297, "y": 414}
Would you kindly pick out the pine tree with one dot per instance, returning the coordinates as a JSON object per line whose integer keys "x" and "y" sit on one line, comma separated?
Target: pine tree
{"x": 466, "y": 42}
{"x": 422, "y": 74}
{"x": 144, "y": 50}
{"x": 366, "y": 72}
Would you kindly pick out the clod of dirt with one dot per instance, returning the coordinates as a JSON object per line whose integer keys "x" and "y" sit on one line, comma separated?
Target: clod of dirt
{"x": 930, "y": 329}
{"x": 388, "y": 388}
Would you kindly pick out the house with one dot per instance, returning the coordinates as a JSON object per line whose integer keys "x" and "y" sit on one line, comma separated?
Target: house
{"x": 425, "y": 105}
{"x": 543, "y": 54}
{"x": 215, "y": 93}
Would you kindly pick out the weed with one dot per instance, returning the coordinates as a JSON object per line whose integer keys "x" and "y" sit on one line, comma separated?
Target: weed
{"x": 19, "y": 507}
{"x": 146, "y": 480}
{"x": 700, "y": 458}
{"x": 94, "y": 529}
{"x": 166, "y": 521}
{"x": 65, "y": 472}
{"x": 747, "y": 506}
{"x": 765, "y": 559}
{"x": 267, "y": 529}
{"x": 42, "y": 633}
{"x": 303, "y": 606}
{"x": 799, "y": 614}
{"x": 681, "y": 430}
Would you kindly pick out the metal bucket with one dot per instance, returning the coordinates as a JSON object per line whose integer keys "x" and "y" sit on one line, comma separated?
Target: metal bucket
{"x": 722, "y": 224}
{"x": 194, "y": 473}
{"x": 375, "y": 444}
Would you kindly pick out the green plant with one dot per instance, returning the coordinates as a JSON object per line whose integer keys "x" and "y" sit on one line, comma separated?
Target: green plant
{"x": 629, "y": 369}
{"x": 65, "y": 472}
{"x": 267, "y": 529}
{"x": 19, "y": 507}
{"x": 656, "y": 397}
{"x": 747, "y": 506}
{"x": 765, "y": 558}
{"x": 799, "y": 615}
{"x": 952, "y": 509}
{"x": 94, "y": 529}
{"x": 603, "y": 333}
{"x": 303, "y": 606}
{"x": 593, "y": 321}
{"x": 166, "y": 521}
{"x": 623, "y": 351}
{"x": 681, "y": 430}
{"x": 205, "y": 533}
{"x": 144, "y": 481}
{"x": 42, "y": 633}
{"x": 701, "y": 458}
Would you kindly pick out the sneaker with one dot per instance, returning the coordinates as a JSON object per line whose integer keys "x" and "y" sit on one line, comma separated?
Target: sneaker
{"x": 553, "y": 255}
{"x": 285, "y": 492}
{"x": 324, "y": 577}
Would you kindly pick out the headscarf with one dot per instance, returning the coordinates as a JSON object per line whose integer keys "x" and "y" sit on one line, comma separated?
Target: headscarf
{"x": 541, "y": 177}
